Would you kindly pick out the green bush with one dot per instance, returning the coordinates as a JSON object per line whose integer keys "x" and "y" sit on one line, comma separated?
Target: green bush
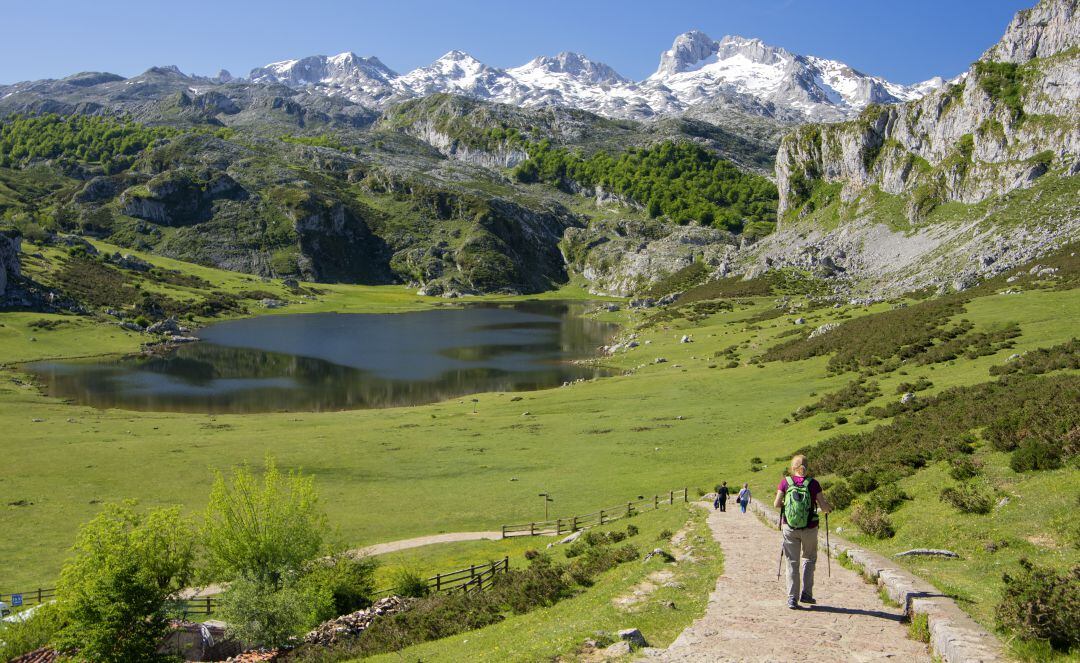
{"x": 22, "y": 637}
{"x": 410, "y": 583}
{"x": 887, "y": 498}
{"x": 839, "y": 495}
{"x": 349, "y": 581}
{"x": 632, "y": 530}
{"x": 1039, "y": 604}
{"x": 1034, "y": 454}
{"x": 262, "y": 529}
{"x": 968, "y": 498}
{"x": 964, "y": 467}
{"x": 862, "y": 481}
{"x": 115, "y": 592}
{"x": 665, "y": 535}
{"x": 872, "y": 521}
{"x": 626, "y": 553}
{"x": 270, "y": 615}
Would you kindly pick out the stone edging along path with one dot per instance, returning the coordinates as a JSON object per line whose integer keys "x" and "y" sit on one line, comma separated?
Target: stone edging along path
{"x": 954, "y": 636}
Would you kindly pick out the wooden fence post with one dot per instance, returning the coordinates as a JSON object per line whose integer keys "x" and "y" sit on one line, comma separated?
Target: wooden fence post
{"x": 438, "y": 582}
{"x": 504, "y": 531}
{"x": 629, "y": 509}
{"x": 601, "y": 516}
{"x": 575, "y": 527}
{"x": 656, "y": 502}
{"x": 532, "y": 529}
{"x": 208, "y": 605}
{"x": 39, "y": 596}
{"x": 671, "y": 497}
{"x": 558, "y": 526}
{"x": 685, "y": 494}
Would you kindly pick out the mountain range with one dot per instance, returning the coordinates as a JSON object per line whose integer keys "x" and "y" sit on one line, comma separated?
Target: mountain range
{"x": 696, "y": 70}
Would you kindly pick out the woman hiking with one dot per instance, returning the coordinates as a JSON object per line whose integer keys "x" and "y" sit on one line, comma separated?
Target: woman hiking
{"x": 799, "y": 499}
{"x": 743, "y": 498}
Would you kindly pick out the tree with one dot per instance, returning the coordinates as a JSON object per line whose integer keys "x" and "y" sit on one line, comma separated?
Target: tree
{"x": 115, "y": 592}
{"x": 262, "y": 530}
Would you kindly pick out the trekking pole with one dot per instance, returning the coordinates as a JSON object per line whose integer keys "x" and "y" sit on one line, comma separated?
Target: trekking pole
{"x": 828, "y": 548}
{"x": 780, "y": 563}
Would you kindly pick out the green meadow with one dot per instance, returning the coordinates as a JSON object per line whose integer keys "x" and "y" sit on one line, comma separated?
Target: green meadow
{"x": 396, "y": 473}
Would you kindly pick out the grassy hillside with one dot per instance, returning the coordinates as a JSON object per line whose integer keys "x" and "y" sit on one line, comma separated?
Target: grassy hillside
{"x": 750, "y": 389}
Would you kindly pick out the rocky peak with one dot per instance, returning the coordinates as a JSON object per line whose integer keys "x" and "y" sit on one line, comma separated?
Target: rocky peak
{"x": 685, "y": 53}
{"x": 223, "y": 76}
{"x": 574, "y": 65}
{"x": 1049, "y": 28}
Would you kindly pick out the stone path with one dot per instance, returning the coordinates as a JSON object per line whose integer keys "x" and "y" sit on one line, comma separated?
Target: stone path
{"x": 747, "y": 618}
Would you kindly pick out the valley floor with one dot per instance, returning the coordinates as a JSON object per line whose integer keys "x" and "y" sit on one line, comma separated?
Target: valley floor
{"x": 406, "y": 472}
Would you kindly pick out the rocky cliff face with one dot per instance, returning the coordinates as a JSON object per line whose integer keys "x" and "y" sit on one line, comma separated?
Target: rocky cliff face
{"x": 1012, "y": 119}
{"x": 957, "y": 186}
{"x": 9, "y": 261}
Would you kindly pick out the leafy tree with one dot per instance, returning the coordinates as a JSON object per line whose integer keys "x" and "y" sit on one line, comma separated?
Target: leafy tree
{"x": 114, "y": 594}
{"x": 262, "y": 530}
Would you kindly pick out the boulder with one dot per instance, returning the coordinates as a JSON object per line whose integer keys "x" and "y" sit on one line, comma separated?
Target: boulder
{"x": 271, "y": 303}
{"x": 633, "y": 637}
{"x": 927, "y": 552}
{"x": 571, "y": 538}
{"x": 166, "y": 326}
{"x": 617, "y": 650}
{"x": 907, "y": 398}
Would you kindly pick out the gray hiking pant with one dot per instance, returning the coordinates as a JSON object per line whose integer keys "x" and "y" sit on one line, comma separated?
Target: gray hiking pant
{"x": 800, "y": 543}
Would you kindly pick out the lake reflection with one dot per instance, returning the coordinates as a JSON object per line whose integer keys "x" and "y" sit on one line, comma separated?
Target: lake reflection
{"x": 328, "y": 361}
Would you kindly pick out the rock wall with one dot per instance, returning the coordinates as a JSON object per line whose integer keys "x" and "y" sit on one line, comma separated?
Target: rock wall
{"x": 9, "y": 261}
{"x": 1013, "y": 117}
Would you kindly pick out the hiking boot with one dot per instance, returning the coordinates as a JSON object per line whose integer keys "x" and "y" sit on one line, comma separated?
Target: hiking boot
{"x": 792, "y": 604}
{"x": 807, "y": 599}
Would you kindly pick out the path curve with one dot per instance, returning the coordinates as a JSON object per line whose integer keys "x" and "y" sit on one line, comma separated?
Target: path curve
{"x": 376, "y": 549}
{"x": 747, "y": 618}
{"x": 405, "y": 544}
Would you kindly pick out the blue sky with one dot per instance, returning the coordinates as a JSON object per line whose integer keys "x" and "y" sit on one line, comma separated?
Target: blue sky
{"x": 905, "y": 41}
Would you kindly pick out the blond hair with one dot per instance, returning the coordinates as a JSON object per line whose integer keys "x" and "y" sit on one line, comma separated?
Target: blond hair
{"x": 798, "y": 462}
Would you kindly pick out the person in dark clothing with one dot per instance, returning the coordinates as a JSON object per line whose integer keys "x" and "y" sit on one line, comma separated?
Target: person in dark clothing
{"x": 721, "y": 497}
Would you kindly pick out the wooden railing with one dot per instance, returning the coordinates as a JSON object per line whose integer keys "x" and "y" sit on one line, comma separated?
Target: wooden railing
{"x": 596, "y": 518}
{"x": 473, "y": 578}
{"x": 32, "y": 597}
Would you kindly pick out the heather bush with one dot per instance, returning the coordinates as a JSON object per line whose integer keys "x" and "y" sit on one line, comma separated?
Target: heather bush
{"x": 872, "y": 521}
{"x": 1040, "y": 604}
{"x": 968, "y": 498}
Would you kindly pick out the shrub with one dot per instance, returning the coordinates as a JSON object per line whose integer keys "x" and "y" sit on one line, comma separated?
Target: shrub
{"x": 268, "y": 614}
{"x": 632, "y": 530}
{"x": 576, "y": 548}
{"x": 22, "y": 637}
{"x": 862, "y": 481}
{"x": 1038, "y": 603}
{"x": 968, "y": 498}
{"x": 596, "y": 538}
{"x": 840, "y": 496}
{"x": 408, "y": 582}
{"x": 665, "y": 535}
{"x": 887, "y": 498}
{"x": 114, "y": 593}
{"x": 617, "y": 536}
{"x": 841, "y": 420}
{"x": 874, "y": 522}
{"x": 262, "y": 530}
{"x": 626, "y": 553}
{"x": 531, "y": 554}
{"x": 1034, "y": 454}
{"x": 348, "y": 581}
{"x": 963, "y": 468}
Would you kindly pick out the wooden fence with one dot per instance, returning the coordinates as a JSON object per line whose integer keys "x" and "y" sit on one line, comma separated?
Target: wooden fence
{"x": 475, "y": 578}
{"x": 596, "y": 518}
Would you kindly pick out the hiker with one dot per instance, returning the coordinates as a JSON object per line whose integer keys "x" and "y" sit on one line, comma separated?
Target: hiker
{"x": 799, "y": 499}
{"x": 721, "y": 497}
{"x": 743, "y": 498}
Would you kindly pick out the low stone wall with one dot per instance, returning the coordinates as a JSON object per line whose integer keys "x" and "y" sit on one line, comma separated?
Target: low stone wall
{"x": 954, "y": 636}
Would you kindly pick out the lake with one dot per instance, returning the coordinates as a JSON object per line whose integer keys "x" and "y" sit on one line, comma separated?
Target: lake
{"x": 330, "y": 361}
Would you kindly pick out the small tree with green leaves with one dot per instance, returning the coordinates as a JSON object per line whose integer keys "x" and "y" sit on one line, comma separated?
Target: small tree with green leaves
{"x": 261, "y": 536}
{"x": 261, "y": 530}
{"x": 115, "y": 593}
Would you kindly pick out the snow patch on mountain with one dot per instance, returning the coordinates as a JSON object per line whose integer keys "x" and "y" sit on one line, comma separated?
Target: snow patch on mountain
{"x": 696, "y": 70}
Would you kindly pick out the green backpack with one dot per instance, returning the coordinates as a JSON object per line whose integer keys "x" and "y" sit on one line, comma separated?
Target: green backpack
{"x": 798, "y": 505}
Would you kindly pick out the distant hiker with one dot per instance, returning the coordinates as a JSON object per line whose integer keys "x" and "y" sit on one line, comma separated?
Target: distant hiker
{"x": 799, "y": 497}
{"x": 743, "y": 498}
{"x": 721, "y": 497}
